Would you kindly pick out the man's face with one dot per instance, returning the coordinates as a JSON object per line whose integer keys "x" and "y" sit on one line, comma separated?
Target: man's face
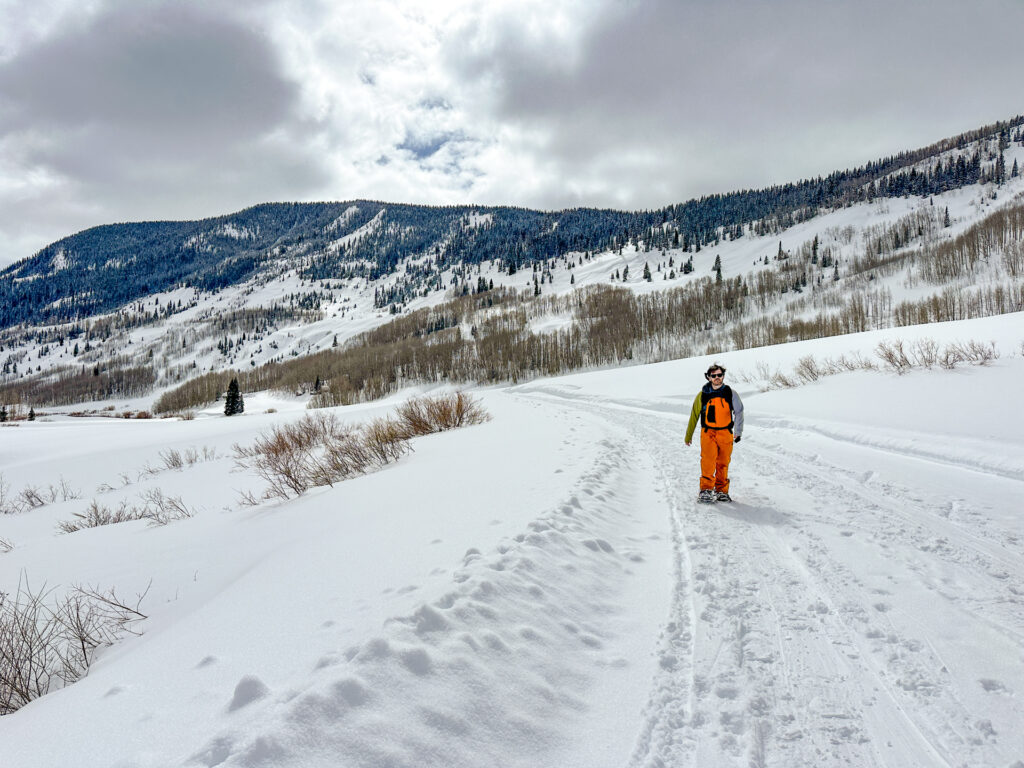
{"x": 716, "y": 377}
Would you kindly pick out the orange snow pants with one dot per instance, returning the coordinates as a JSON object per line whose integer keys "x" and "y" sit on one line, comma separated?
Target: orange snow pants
{"x": 715, "y": 452}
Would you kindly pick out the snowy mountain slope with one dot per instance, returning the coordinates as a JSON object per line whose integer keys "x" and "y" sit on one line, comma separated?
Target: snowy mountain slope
{"x": 193, "y": 339}
{"x": 542, "y": 590}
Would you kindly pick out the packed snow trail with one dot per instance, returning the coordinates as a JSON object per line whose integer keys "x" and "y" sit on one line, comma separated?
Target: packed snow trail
{"x": 832, "y": 615}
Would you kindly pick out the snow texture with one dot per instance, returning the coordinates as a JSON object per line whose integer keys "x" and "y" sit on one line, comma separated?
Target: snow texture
{"x": 543, "y": 590}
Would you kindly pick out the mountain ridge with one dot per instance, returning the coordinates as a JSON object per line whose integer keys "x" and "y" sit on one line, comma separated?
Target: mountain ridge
{"x": 105, "y": 267}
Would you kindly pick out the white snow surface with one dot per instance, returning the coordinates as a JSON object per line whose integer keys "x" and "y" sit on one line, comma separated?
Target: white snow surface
{"x": 543, "y": 590}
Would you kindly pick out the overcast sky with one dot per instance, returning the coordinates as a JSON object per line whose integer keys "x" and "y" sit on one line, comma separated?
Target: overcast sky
{"x": 115, "y": 110}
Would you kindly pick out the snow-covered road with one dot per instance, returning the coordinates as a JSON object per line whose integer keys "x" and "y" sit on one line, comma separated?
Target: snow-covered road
{"x": 856, "y": 606}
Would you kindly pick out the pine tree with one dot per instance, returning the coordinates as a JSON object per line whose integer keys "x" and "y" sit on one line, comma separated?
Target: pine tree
{"x": 31, "y": 414}
{"x": 647, "y": 272}
{"x": 3, "y": 413}
{"x": 945, "y": 219}
{"x": 233, "y": 399}
{"x": 718, "y": 264}
{"x": 625, "y": 273}
{"x": 1015, "y": 172}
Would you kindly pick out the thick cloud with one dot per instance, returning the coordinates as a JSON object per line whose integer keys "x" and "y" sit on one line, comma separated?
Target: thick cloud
{"x": 154, "y": 111}
{"x": 115, "y": 109}
{"x": 671, "y": 99}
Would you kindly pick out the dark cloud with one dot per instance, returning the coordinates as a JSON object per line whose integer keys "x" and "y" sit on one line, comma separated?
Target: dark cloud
{"x": 154, "y": 111}
{"x": 735, "y": 93}
{"x": 170, "y": 72}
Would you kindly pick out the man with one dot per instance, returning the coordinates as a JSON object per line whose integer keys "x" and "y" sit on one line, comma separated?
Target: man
{"x": 720, "y": 412}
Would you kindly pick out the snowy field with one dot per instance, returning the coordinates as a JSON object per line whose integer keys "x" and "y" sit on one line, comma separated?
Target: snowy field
{"x": 543, "y": 590}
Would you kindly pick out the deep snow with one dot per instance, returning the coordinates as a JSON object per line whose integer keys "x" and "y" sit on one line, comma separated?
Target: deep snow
{"x": 542, "y": 590}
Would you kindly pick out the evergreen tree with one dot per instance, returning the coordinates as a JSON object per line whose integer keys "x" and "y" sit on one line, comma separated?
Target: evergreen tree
{"x": 945, "y": 219}
{"x": 718, "y": 264}
{"x": 647, "y": 272}
{"x": 3, "y": 413}
{"x": 1015, "y": 171}
{"x": 625, "y": 273}
{"x": 233, "y": 400}
{"x": 31, "y": 414}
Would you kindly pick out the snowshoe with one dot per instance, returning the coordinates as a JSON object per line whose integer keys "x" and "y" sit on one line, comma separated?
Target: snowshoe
{"x": 706, "y": 497}
{"x": 722, "y": 496}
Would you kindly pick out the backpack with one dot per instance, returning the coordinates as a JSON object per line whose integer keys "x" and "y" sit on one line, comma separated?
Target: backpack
{"x": 716, "y": 408}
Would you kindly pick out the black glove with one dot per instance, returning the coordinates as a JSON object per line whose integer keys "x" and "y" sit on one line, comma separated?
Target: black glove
{"x": 737, "y": 439}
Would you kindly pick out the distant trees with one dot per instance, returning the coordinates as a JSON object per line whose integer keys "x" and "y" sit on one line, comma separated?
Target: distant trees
{"x": 233, "y": 401}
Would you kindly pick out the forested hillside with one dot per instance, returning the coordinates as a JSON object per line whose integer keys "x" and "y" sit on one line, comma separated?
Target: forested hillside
{"x": 103, "y": 268}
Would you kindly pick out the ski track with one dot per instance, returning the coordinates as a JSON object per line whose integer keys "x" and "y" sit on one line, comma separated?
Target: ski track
{"x": 775, "y": 652}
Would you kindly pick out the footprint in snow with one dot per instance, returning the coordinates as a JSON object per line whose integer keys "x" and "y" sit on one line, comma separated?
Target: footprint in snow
{"x": 248, "y": 690}
{"x": 993, "y": 686}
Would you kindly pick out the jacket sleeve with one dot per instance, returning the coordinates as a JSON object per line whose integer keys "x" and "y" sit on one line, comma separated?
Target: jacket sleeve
{"x": 694, "y": 418}
{"x": 737, "y": 414}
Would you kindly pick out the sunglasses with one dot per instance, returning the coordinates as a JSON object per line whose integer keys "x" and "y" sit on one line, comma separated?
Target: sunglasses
{"x": 716, "y": 375}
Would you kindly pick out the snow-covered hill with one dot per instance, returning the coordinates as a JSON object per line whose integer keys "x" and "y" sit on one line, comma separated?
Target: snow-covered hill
{"x": 542, "y": 590}
{"x": 210, "y": 330}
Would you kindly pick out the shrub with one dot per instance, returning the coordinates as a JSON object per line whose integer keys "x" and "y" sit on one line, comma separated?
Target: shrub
{"x": 48, "y": 643}
{"x": 893, "y": 354}
{"x": 385, "y": 440}
{"x": 172, "y": 459}
{"x": 319, "y": 450}
{"x": 96, "y": 515}
{"x": 423, "y": 416}
{"x": 807, "y": 369}
{"x": 156, "y": 508}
